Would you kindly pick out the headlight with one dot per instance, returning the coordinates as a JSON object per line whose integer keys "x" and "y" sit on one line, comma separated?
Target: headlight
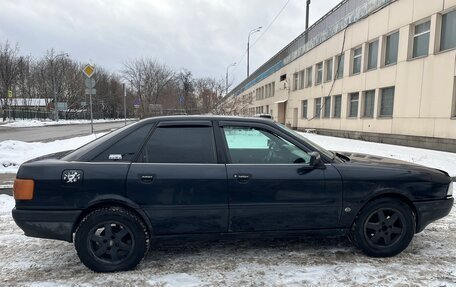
{"x": 450, "y": 190}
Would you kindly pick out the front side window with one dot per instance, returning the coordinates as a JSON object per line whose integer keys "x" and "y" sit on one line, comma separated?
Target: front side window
{"x": 180, "y": 145}
{"x": 304, "y": 109}
{"x": 373, "y": 55}
{"x": 357, "y": 60}
{"x": 328, "y": 70}
{"x": 327, "y": 108}
{"x": 319, "y": 73}
{"x": 308, "y": 77}
{"x": 337, "y": 106}
{"x": 392, "y": 45}
{"x": 353, "y": 105}
{"x": 421, "y": 39}
{"x": 340, "y": 66}
{"x": 448, "y": 36}
{"x": 369, "y": 101}
{"x": 317, "y": 108}
{"x": 248, "y": 145}
{"x": 387, "y": 102}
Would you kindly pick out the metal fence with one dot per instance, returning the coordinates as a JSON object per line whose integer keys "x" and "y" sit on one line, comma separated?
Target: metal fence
{"x": 26, "y": 114}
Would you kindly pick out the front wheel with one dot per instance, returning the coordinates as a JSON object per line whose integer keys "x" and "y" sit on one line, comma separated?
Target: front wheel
{"x": 111, "y": 239}
{"x": 384, "y": 228}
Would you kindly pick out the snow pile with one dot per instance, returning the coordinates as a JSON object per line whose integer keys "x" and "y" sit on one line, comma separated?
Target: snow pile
{"x": 14, "y": 153}
{"x": 47, "y": 122}
{"x": 437, "y": 159}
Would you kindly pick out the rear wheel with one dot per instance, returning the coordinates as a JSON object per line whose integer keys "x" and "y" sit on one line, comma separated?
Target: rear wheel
{"x": 111, "y": 239}
{"x": 384, "y": 228}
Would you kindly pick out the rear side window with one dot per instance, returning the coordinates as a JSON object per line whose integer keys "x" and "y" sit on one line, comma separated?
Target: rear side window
{"x": 126, "y": 148}
{"x": 180, "y": 145}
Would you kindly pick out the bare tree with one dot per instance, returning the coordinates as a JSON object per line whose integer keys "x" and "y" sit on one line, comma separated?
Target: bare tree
{"x": 234, "y": 105}
{"x": 10, "y": 70}
{"x": 209, "y": 92}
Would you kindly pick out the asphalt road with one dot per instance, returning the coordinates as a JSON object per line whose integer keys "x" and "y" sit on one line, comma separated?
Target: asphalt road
{"x": 50, "y": 133}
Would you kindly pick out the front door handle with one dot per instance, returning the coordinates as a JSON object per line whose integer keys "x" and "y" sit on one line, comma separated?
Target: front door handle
{"x": 146, "y": 178}
{"x": 242, "y": 178}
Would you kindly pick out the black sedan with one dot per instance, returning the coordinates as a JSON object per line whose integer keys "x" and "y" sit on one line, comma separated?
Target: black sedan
{"x": 186, "y": 176}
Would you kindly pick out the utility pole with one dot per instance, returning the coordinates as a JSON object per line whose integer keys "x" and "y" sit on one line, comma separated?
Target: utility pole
{"x": 248, "y": 48}
{"x": 307, "y": 21}
{"x": 226, "y": 79}
{"x": 125, "y": 102}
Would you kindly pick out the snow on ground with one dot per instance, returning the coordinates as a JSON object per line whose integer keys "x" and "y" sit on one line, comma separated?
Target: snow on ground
{"x": 47, "y": 122}
{"x": 428, "y": 261}
{"x": 14, "y": 153}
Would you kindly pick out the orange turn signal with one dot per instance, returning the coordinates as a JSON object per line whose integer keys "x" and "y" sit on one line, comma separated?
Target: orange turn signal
{"x": 23, "y": 189}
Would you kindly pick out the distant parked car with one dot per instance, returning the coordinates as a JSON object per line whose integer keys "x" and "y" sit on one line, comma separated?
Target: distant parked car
{"x": 265, "y": 116}
{"x": 206, "y": 175}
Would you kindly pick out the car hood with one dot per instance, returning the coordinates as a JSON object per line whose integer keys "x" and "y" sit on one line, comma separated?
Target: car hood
{"x": 369, "y": 159}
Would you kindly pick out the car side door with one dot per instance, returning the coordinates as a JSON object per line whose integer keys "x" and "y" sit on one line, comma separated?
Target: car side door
{"x": 272, "y": 185}
{"x": 178, "y": 181}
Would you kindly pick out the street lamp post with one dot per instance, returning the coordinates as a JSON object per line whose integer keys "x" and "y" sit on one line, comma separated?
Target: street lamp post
{"x": 226, "y": 80}
{"x": 248, "y": 48}
{"x": 54, "y": 90}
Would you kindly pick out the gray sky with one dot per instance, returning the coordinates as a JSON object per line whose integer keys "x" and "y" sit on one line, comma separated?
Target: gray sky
{"x": 203, "y": 36}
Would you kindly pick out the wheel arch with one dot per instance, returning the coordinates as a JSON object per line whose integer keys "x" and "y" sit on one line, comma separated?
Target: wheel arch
{"x": 117, "y": 201}
{"x": 393, "y": 195}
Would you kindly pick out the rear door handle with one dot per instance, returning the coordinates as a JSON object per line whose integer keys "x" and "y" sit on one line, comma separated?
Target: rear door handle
{"x": 146, "y": 178}
{"x": 242, "y": 178}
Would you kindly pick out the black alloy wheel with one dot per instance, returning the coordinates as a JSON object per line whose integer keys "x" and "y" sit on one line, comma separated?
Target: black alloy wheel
{"x": 384, "y": 227}
{"x": 111, "y": 239}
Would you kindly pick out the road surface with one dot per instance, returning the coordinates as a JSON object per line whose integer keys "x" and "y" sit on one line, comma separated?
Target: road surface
{"x": 50, "y": 133}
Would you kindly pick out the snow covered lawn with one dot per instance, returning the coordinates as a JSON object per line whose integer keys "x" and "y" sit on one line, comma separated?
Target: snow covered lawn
{"x": 429, "y": 261}
{"x": 14, "y": 153}
{"x": 47, "y": 122}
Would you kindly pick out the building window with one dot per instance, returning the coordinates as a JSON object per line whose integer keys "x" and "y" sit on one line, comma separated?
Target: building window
{"x": 329, "y": 70}
{"x": 295, "y": 81}
{"x": 392, "y": 46}
{"x": 337, "y": 106}
{"x": 273, "y": 89}
{"x": 448, "y": 36}
{"x": 340, "y": 66}
{"x": 421, "y": 39}
{"x": 357, "y": 61}
{"x": 319, "y": 73}
{"x": 317, "y": 108}
{"x": 373, "y": 55}
{"x": 353, "y": 105}
{"x": 301, "y": 80}
{"x": 283, "y": 77}
{"x": 369, "y": 101}
{"x": 304, "y": 109}
{"x": 308, "y": 77}
{"x": 387, "y": 102}
{"x": 327, "y": 107}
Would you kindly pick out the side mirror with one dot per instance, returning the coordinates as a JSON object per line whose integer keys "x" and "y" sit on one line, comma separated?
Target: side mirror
{"x": 315, "y": 160}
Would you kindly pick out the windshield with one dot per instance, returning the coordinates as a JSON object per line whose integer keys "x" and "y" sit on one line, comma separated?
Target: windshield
{"x": 318, "y": 148}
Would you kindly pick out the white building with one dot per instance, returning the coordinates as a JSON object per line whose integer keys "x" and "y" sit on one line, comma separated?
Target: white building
{"x": 380, "y": 70}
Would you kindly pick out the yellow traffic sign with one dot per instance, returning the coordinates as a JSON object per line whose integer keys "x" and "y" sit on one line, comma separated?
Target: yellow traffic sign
{"x": 88, "y": 70}
{"x": 10, "y": 94}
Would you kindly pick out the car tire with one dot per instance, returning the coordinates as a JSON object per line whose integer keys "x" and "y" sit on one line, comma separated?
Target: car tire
{"x": 384, "y": 228}
{"x": 111, "y": 239}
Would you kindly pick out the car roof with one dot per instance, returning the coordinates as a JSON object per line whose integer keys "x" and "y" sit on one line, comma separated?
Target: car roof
{"x": 208, "y": 118}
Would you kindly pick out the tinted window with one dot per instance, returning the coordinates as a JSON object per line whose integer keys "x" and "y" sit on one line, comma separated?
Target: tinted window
{"x": 421, "y": 39}
{"x": 354, "y": 100}
{"x": 369, "y": 102}
{"x": 387, "y": 102}
{"x": 373, "y": 55}
{"x": 126, "y": 148}
{"x": 180, "y": 145}
{"x": 251, "y": 145}
{"x": 448, "y": 38}
{"x": 337, "y": 106}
